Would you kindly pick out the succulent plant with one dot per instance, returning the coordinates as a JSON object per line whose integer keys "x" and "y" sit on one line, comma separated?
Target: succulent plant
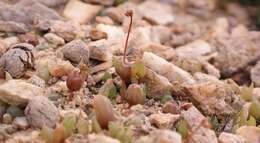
{"x": 171, "y": 107}
{"x": 135, "y": 94}
{"x": 108, "y": 89}
{"x": 104, "y": 110}
{"x": 118, "y": 131}
{"x": 182, "y": 128}
{"x": 254, "y": 110}
{"x": 69, "y": 123}
{"x": 47, "y": 134}
{"x": 59, "y": 134}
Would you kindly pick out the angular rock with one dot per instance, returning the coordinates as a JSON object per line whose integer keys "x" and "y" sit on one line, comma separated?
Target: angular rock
{"x": 117, "y": 13}
{"x": 99, "y": 50}
{"x": 194, "y": 49}
{"x": 255, "y": 74}
{"x": 37, "y": 81}
{"x": 59, "y": 68}
{"x": 113, "y": 32}
{"x": 30, "y": 38}
{"x": 11, "y": 26}
{"x": 157, "y": 85}
{"x": 66, "y": 30}
{"x": 92, "y": 138}
{"x": 101, "y": 2}
{"x": 163, "y": 121}
{"x": 230, "y": 138}
{"x": 202, "y": 77}
{"x": 166, "y": 69}
{"x": 161, "y": 136}
{"x": 215, "y": 98}
{"x": 96, "y": 34}
{"x": 18, "y": 59}
{"x": 145, "y": 34}
{"x": 52, "y": 3}
{"x": 251, "y": 134}
{"x": 54, "y": 39}
{"x": 75, "y": 51}
{"x": 20, "y": 123}
{"x": 198, "y": 125}
{"x": 28, "y": 15}
{"x": 193, "y": 117}
{"x": 17, "y": 92}
{"x": 156, "y": 13}
{"x": 203, "y": 135}
{"x": 163, "y": 51}
{"x": 41, "y": 111}
{"x": 235, "y": 53}
{"x": 80, "y": 12}
{"x": 104, "y": 20}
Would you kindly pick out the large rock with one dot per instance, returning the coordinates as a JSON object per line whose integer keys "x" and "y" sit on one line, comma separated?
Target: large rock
{"x": 80, "y": 12}
{"x": 18, "y": 92}
{"x": 156, "y": 12}
{"x": 200, "y": 133}
{"x": 215, "y": 98}
{"x": 100, "y": 50}
{"x": 10, "y": 26}
{"x": 235, "y": 53}
{"x": 66, "y": 30}
{"x": 230, "y": 138}
{"x": 194, "y": 49}
{"x": 41, "y": 111}
{"x": 75, "y": 51}
{"x": 166, "y": 69}
{"x": 18, "y": 59}
{"x": 250, "y": 133}
{"x": 27, "y": 12}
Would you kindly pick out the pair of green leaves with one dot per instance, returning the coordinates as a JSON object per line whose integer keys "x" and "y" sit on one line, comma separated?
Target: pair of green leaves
{"x": 118, "y": 131}
{"x": 134, "y": 72}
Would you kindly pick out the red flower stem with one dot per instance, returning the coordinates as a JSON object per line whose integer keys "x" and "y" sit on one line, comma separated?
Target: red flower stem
{"x": 128, "y": 14}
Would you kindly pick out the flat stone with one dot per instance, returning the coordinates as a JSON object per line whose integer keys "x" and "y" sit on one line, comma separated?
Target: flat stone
{"x": 17, "y": 92}
{"x": 164, "y": 121}
{"x": 80, "y": 12}
{"x": 54, "y": 39}
{"x": 27, "y": 15}
{"x": 166, "y": 69}
{"x": 156, "y": 12}
{"x": 195, "y": 49}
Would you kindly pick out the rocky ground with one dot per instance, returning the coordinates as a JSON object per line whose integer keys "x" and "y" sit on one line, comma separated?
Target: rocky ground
{"x": 129, "y": 71}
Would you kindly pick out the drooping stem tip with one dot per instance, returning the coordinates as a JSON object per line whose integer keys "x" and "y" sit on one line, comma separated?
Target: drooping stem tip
{"x": 129, "y": 13}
